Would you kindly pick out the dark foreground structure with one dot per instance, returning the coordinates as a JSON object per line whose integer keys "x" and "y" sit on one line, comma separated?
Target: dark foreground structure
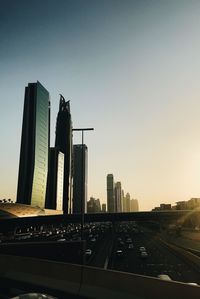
{"x": 45, "y": 267}
{"x": 21, "y": 275}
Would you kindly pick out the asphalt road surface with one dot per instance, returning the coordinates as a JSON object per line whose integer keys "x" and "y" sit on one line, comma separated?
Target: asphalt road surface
{"x": 160, "y": 259}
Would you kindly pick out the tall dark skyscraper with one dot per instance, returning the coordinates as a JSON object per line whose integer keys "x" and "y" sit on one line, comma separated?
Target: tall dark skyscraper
{"x": 110, "y": 194}
{"x": 33, "y": 166}
{"x": 64, "y": 144}
{"x": 80, "y": 171}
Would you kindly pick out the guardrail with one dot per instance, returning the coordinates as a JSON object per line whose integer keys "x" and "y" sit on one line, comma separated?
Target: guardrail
{"x": 65, "y": 280}
{"x": 67, "y": 252}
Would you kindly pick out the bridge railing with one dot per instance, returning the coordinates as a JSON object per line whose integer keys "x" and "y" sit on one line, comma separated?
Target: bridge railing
{"x": 64, "y": 280}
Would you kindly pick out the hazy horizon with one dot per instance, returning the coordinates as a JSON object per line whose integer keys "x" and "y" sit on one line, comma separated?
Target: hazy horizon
{"x": 130, "y": 69}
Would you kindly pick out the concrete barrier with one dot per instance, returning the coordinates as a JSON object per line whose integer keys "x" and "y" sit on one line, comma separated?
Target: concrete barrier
{"x": 43, "y": 273}
{"x": 89, "y": 282}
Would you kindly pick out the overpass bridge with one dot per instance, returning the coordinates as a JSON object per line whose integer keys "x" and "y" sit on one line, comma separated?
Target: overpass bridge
{"x": 162, "y": 217}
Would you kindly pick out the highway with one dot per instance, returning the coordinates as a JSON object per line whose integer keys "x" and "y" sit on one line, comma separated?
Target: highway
{"x": 160, "y": 259}
{"x": 116, "y": 247}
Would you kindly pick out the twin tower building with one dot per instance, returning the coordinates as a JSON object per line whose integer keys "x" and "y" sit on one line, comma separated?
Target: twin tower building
{"x": 50, "y": 177}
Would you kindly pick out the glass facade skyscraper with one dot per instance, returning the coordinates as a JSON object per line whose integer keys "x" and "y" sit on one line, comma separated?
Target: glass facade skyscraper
{"x": 33, "y": 166}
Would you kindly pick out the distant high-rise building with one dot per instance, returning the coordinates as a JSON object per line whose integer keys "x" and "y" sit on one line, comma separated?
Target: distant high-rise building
{"x": 110, "y": 194}
{"x": 64, "y": 144}
{"x": 80, "y": 171}
{"x": 134, "y": 207}
{"x": 123, "y": 202}
{"x": 103, "y": 208}
{"x": 93, "y": 205}
{"x": 33, "y": 166}
{"x": 54, "y": 195}
{"x": 127, "y": 202}
{"x": 118, "y": 197}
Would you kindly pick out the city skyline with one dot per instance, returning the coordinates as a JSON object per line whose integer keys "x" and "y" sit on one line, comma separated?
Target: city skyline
{"x": 117, "y": 201}
{"x": 51, "y": 177}
{"x": 130, "y": 69}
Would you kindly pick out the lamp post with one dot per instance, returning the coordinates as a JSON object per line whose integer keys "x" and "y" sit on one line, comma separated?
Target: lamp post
{"x": 82, "y": 130}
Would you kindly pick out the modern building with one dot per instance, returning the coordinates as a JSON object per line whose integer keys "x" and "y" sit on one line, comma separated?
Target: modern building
{"x": 110, "y": 194}
{"x": 181, "y": 205}
{"x": 193, "y": 203}
{"x": 63, "y": 142}
{"x": 15, "y": 210}
{"x": 123, "y": 202}
{"x": 33, "y": 164}
{"x": 80, "y": 173}
{"x": 118, "y": 197}
{"x": 166, "y": 207}
{"x": 126, "y": 203}
{"x": 134, "y": 206}
{"x": 54, "y": 195}
{"x": 93, "y": 205}
{"x": 103, "y": 208}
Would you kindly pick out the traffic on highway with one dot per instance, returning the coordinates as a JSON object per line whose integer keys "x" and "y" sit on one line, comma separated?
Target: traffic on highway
{"x": 122, "y": 246}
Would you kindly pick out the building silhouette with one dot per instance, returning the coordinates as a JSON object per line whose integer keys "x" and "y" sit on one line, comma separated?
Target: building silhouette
{"x": 110, "y": 194}
{"x": 80, "y": 172}
{"x": 118, "y": 197}
{"x": 63, "y": 143}
{"x": 134, "y": 206}
{"x": 128, "y": 198}
{"x": 55, "y": 181}
{"x": 103, "y": 208}
{"x": 93, "y": 205}
{"x": 33, "y": 164}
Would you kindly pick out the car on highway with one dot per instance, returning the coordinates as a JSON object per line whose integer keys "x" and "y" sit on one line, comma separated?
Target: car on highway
{"x": 142, "y": 248}
{"x": 130, "y": 246}
{"x": 128, "y": 240}
{"x": 61, "y": 240}
{"x": 119, "y": 253}
{"x": 143, "y": 254}
{"x": 88, "y": 252}
{"x": 121, "y": 244}
{"x": 93, "y": 240}
{"x": 164, "y": 277}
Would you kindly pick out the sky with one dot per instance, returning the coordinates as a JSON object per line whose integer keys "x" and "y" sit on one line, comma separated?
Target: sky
{"x": 131, "y": 71}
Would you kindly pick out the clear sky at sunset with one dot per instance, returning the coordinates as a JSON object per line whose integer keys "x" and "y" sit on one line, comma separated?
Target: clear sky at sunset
{"x": 131, "y": 70}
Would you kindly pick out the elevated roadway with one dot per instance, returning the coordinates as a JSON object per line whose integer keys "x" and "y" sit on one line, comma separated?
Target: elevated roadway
{"x": 162, "y": 217}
